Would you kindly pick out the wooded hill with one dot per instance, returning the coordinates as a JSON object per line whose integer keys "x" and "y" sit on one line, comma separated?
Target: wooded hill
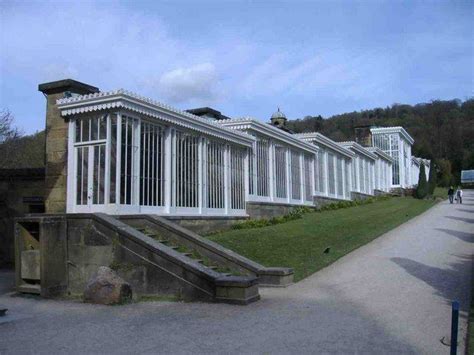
{"x": 443, "y": 131}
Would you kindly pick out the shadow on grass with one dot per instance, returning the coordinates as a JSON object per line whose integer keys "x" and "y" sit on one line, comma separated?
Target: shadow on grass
{"x": 464, "y": 236}
{"x": 462, "y": 219}
{"x": 450, "y": 283}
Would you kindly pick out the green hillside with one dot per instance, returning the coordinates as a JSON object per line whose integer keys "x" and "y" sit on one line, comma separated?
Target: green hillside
{"x": 24, "y": 152}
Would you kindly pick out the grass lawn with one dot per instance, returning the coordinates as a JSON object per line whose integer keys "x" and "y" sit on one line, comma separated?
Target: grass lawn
{"x": 300, "y": 243}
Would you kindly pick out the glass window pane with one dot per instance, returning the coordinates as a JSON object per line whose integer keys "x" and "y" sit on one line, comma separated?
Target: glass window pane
{"x": 94, "y": 128}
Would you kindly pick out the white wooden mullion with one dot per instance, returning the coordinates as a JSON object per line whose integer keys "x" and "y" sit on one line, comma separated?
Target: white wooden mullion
{"x": 71, "y": 179}
{"x": 326, "y": 173}
{"x": 226, "y": 179}
{"x": 289, "y": 191}
{"x": 200, "y": 175}
{"x": 246, "y": 174}
{"x": 343, "y": 172}
{"x": 136, "y": 130}
{"x": 119, "y": 159}
{"x": 173, "y": 177}
{"x": 271, "y": 175}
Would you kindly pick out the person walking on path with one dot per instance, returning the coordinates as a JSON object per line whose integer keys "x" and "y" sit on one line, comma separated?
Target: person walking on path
{"x": 451, "y": 194}
{"x": 459, "y": 195}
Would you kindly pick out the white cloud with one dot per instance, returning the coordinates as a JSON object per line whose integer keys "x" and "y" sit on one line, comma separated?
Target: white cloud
{"x": 198, "y": 82}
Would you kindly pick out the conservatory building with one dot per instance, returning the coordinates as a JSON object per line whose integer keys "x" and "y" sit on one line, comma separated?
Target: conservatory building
{"x": 333, "y": 166}
{"x": 281, "y": 167}
{"x": 383, "y": 170}
{"x": 129, "y": 154}
{"x": 120, "y": 153}
{"x": 363, "y": 168}
{"x": 396, "y": 142}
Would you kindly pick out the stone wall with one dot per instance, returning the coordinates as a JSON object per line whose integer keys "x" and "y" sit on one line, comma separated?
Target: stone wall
{"x": 260, "y": 210}
{"x": 359, "y": 196}
{"x": 399, "y": 191}
{"x": 92, "y": 244}
{"x": 56, "y": 157}
{"x": 206, "y": 225}
{"x": 72, "y": 247}
{"x": 21, "y": 192}
{"x": 320, "y": 201}
{"x": 380, "y": 193}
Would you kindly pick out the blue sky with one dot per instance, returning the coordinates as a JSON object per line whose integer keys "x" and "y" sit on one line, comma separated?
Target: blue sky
{"x": 243, "y": 58}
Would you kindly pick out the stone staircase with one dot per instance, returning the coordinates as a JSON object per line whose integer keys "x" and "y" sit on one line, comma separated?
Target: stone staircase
{"x": 74, "y": 246}
{"x": 157, "y": 257}
{"x": 210, "y": 253}
{"x": 189, "y": 253}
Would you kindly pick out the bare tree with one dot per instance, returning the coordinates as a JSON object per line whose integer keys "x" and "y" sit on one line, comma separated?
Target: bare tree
{"x": 7, "y": 130}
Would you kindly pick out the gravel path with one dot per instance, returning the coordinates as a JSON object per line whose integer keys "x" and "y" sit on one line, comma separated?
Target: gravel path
{"x": 390, "y": 296}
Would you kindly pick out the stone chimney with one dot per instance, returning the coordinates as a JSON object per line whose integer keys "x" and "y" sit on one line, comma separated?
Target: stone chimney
{"x": 363, "y": 136}
{"x": 56, "y": 141}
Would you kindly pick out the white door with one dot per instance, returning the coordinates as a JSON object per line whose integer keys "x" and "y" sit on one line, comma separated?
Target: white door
{"x": 90, "y": 177}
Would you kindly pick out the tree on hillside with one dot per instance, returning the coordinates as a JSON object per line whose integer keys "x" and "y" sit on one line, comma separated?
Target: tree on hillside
{"x": 422, "y": 188}
{"x": 445, "y": 176}
{"x": 7, "y": 130}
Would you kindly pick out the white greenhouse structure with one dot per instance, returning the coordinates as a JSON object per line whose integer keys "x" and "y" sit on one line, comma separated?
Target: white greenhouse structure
{"x": 363, "y": 168}
{"x": 281, "y": 166}
{"x": 333, "y": 167}
{"x": 383, "y": 169}
{"x": 396, "y": 142}
{"x": 128, "y": 154}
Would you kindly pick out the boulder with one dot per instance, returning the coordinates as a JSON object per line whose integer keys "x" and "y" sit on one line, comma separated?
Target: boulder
{"x": 106, "y": 287}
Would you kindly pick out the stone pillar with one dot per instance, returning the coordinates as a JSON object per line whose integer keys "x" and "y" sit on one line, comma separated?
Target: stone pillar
{"x": 56, "y": 141}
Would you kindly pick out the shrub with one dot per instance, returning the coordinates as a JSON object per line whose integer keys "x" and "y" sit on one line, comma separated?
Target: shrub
{"x": 432, "y": 180}
{"x": 422, "y": 189}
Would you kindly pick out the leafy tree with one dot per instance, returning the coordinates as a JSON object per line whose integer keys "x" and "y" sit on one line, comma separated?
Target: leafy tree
{"x": 445, "y": 177}
{"x": 422, "y": 188}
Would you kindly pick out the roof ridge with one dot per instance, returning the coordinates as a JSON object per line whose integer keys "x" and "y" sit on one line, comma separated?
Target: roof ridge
{"x": 102, "y": 94}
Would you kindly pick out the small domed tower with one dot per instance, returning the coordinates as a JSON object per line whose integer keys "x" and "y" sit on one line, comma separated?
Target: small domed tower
{"x": 279, "y": 119}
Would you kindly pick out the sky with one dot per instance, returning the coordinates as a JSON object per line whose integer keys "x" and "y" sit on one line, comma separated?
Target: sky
{"x": 243, "y": 58}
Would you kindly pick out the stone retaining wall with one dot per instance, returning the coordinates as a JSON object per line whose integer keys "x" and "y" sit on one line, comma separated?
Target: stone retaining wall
{"x": 320, "y": 201}
{"x": 265, "y": 210}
